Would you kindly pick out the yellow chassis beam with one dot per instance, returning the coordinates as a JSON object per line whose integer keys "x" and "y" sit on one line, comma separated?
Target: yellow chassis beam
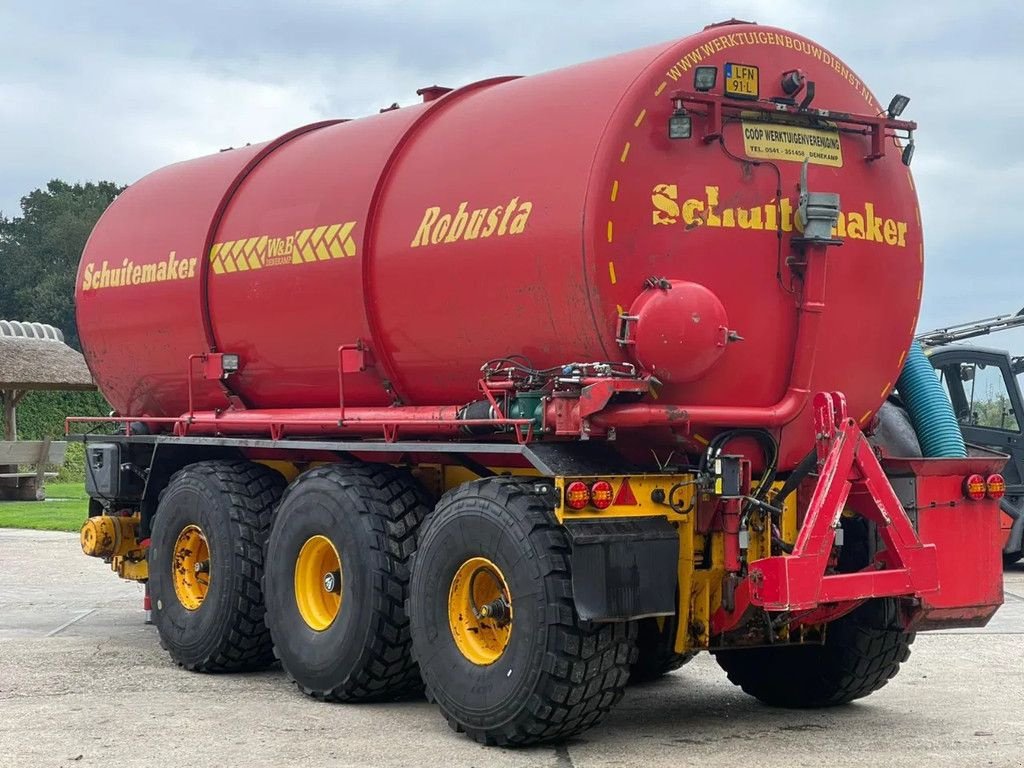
{"x": 701, "y": 571}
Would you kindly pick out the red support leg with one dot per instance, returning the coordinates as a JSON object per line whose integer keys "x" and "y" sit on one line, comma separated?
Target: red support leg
{"x": 798, "y": 582}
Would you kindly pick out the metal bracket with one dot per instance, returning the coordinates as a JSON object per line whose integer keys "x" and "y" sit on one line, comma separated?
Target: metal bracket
{"x": 904, "y": 568}
{"x": 818, "y": 212}
{"x": 622, "y": 335}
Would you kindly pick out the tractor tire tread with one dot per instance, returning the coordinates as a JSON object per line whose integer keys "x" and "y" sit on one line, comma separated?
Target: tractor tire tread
{"x": 586, "y": 665}
{"x": 253, "y": 491}
{"x": 656, "y": 656}
{"x": 865, "y": 651}
{"x": 394, "y": 507}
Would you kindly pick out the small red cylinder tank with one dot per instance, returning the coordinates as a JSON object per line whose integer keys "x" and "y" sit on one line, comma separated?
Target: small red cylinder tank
{"x": 517, "y": 216}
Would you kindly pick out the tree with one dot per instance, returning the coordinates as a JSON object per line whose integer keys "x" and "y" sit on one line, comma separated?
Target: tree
{"x": 40, "y": 250}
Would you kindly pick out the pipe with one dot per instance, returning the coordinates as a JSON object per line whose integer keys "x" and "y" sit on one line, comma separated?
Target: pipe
{"x": 784, "y": 411}
{"x": 645, "y": 415}
{"x": 429, "y": 420}
{"x": 929, "y": 408}
{"x": 411, "y": 420}
{"x": 444, "y": 420}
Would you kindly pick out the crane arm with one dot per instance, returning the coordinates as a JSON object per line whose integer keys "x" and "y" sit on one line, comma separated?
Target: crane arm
{"x": 971, "y": 330}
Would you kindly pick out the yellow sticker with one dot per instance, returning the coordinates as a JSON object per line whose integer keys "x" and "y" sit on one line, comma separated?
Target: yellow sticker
{"x": 768, "y": 141}
{"x": 328, "y": 241}
{"x": 741, "y": 81}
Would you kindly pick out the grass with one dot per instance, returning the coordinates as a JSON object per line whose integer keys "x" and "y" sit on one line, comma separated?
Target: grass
{"x": 65, "y": 509}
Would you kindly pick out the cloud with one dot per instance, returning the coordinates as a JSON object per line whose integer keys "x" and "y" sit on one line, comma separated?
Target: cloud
{"x": 111, "y": 90}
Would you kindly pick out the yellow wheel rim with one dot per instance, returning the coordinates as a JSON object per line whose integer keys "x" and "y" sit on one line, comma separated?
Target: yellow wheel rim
{"x": 190, "y": 569}
{"x": 318, "y": 582}
{"x": 480, "y": 611}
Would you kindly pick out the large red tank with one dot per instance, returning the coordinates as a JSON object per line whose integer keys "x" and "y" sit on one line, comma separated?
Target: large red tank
{"x": 510, "y": 216}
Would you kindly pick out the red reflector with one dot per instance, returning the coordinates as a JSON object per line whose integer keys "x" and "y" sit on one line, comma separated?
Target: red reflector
{"x": 974, "y": 487}
{"x": 996, "y": 486}
{"x": 601, "y": 494}
{"x": 625, "y": 496}
{"x": 577, "y": 495}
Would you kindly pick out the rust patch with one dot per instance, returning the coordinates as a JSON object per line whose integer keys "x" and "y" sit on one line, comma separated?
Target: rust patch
{"x": 675, "y": 414}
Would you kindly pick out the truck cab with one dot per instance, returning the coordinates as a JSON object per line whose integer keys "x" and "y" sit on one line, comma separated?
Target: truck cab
{"x": 984, "y": 387}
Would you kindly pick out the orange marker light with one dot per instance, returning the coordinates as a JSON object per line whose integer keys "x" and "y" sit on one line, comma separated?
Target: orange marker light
{"x": 601, "y": 494}
{"x": 996, "y": 486}
{"x": 974, "y": 487}
{"x": 577, "y": 495}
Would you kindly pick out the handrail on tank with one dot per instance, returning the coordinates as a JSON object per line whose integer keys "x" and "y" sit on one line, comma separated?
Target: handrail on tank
{"x": 277, "y": 422}
{"x": 127, "y": 421}
{"x": 352, "y": 358}
{"x": 719, "y": 106}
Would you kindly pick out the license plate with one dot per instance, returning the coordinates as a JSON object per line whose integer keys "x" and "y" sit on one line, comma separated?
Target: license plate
{"x": 741, "y": 81}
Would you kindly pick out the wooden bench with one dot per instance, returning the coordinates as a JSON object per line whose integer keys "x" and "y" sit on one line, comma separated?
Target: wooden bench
{"x": 38, "y": 454}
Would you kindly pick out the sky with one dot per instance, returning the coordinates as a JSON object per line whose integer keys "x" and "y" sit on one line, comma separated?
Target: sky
{"x": 111, "y": 90}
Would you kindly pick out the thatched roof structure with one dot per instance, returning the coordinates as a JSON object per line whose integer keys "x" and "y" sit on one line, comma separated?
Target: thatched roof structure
{"x": 34, "y": 356}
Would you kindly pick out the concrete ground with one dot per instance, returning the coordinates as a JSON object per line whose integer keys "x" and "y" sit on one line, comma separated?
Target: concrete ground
{"x": 83, "y": 682}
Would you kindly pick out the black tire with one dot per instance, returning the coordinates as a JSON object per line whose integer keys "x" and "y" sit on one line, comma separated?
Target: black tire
{"x": 862, "y": 652}
{"x": 557, "y": 675}
{"x": 655, "y": 646}
{"x": 371, "y": 514}
{"x": 232, "y": 503}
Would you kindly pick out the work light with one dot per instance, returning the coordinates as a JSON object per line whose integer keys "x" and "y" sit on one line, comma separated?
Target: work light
{"x": 704, "y": 78}
{"x": 680, "y": 124}
{"x": 908, "y": 153}
{"x": 897, "y": 105}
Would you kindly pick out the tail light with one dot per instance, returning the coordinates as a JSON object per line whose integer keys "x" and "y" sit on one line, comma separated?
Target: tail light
{"x": 975, "y": 487}
{"x": 995, "y": 486}
{"x": 601, "y": 494}
{"x": 577, "y": 495}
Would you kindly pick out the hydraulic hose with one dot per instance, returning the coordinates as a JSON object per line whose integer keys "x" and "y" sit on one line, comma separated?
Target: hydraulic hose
{"x": 929, "y": 408}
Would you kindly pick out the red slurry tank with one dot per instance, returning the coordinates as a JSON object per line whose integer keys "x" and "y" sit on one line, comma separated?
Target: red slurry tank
{"x": 520, "y": 216}
{"x": 540, "y": 387}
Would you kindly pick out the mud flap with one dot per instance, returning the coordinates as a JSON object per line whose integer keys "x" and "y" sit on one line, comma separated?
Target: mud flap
{"x": 624, "y": 568}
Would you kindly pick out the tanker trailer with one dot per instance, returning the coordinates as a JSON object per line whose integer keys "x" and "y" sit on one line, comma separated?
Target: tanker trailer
{"x": 537, "y": 387}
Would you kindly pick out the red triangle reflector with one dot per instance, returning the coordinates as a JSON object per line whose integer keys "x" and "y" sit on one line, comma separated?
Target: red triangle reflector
{"x": 625, "y": 495}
